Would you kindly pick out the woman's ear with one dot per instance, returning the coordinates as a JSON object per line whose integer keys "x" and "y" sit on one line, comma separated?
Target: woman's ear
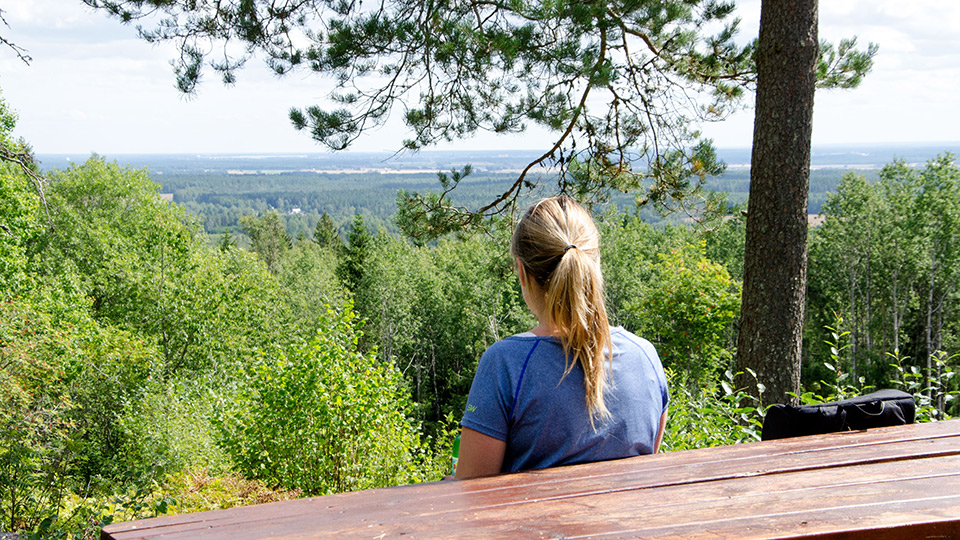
{"x": 522, "y": 273}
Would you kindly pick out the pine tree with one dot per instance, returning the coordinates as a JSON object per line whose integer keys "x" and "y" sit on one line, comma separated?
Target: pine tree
{"x": 326, "y": 234}
{"x": 622, "y": 87}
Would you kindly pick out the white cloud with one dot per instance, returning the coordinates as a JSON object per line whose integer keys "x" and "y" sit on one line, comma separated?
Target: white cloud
{"x": 910, "y": 93}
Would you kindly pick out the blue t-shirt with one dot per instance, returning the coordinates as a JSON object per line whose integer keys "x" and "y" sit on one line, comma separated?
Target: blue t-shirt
{"x": 518, "y": 396}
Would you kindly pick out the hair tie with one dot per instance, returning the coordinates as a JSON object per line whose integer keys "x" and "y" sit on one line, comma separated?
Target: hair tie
{"x": 568, "y": 247}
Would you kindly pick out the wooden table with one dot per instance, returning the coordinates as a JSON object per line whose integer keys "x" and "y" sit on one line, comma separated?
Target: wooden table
{"x": 890, "y": 483}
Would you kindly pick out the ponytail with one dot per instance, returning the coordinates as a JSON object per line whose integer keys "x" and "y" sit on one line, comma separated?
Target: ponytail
{"x": 559, "y": 247}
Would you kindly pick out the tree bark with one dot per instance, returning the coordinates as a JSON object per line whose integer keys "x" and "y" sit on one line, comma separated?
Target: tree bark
{"x": 775, "y": 258}
{"x": 852, "y": 298}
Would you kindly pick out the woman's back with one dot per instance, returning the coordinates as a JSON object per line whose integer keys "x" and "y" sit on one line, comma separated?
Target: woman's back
{"x": 568, "y": 391}
{"x": 521, "y": 396}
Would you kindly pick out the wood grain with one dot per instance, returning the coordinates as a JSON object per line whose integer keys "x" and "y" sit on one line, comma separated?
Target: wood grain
{"x": 901, "y": 482}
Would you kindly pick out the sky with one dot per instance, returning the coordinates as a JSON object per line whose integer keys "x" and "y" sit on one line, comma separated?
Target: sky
{"x": 93, "y": 86}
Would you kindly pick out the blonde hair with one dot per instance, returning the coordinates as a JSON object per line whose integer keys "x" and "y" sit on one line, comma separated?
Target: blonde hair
{"x": 558, "y": 245}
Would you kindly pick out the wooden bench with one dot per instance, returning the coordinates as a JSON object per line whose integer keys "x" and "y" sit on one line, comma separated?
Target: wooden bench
{"x": 890, "y": 483}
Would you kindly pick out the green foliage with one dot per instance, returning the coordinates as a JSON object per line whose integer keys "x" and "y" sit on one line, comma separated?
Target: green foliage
{"x": 215, "y": 312}
{"x": 908, "y": 378}
{"x": 8, "y": 121}
{"x": 110, "y": 223}
{"x": 629, "y": 248}
{"x": 427, "y": 216}
{"x": 137, "y": 363}
{"x": 843, "y": 66}
{"x": 710, "y": 415}
{"x": 65, "y": 385}
{"x": 413, "y": 297}
{"x": 268, "y": 238}
{"x": 353, "y": 263}
{"x": 170, "y": 428}
{"x": 20, "y": 205}
{"x": 308, "y": 283}
{"x": 841, "y": 385}
{"x": 326, "y": 234}
{"x": 621, "y": 88}
{"x": 20, "y": 226}
{"x": 725, "y": 243}
{"x": 687, "y": 310}
{"x": 220, "y": 200}
{"x": 326, "y": 418}
{"x": 107, "y": 370}
{"x": 145, "y": 269}
{"x": 125, "y": 306}
{"x": 36, "y": 434}
{"x": 63, "y": 381}
{"x": 226, "y": 241}
{"x": 479, "y": 296}
{"x": 886, "y": 259}
{"x": 911, "y": 380}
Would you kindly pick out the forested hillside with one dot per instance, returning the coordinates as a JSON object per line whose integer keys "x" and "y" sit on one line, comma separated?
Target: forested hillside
{"x": 143, "y": 370}
{"x": 220, "y": 189}
{"x": 221, "y": 199}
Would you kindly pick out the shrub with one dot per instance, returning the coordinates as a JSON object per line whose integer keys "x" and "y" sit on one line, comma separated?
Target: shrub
{"x": 688, "y": 311}
{"x": 935, "y": 398}
{"x": 710, "y": 415}
{"x": 326, "y": 418}
{"x": 170, "y": 427}
{"x": 36, "y": 434}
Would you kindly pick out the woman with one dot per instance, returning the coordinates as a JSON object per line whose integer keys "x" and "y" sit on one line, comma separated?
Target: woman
{"x": 572, "y": 390}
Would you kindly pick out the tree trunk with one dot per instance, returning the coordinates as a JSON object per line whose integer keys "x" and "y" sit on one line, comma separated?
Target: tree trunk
{"x": 775, "y": 258}
{"x": 928, "y": 328}
{"x": 867, "y": 338}
{"x": 854, "y": 334}
{"x": 896, "y": 311}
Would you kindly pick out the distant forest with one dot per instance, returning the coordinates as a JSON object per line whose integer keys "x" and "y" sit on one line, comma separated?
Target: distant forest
{"x": 219, "y": 200}
{"x": 220, "y": 189}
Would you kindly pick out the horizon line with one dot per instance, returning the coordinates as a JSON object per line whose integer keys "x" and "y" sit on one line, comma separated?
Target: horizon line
{"x": 439, "y": 150}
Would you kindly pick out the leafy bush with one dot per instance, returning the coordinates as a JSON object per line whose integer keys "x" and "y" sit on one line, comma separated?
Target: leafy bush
{"x": 710, "y": 415}
{"x": 935, "y": 398}
{"x": 170, "y": 427}
{"x": 326, "y": 418}
{"x": 20, "y": 212}
{"x": 629, "y": 248}
{"x": 63, "y": 387}
{"x": 411, "y": 297}
{"x": 36, "y": 435}
{"x": 688, "y": 311}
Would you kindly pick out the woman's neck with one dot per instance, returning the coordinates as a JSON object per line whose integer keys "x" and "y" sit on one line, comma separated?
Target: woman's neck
{"x": 544, "y": 329}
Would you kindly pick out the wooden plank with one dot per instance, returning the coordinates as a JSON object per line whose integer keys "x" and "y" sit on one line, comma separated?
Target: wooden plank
{"x": 640, "y": 480}
{"x": 698, "y": 497}
{"x": 640, "y": 477}
{"x": 351, "y": 510}
{"x": 740, "y": 508}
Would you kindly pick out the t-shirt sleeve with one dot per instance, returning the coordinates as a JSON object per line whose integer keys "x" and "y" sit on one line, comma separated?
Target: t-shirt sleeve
{"x": 489, "y": 401}
{"x": 651, "y": 353}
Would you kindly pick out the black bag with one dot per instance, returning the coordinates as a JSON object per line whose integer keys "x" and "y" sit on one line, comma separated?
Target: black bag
{"x": 879, "y": 409}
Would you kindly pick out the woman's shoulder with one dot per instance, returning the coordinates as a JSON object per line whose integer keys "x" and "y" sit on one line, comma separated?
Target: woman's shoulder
{"x": 511, "y": 353}
{"x": 632, "y": 352}
{"x": 521, "y": 346}
{"x": 622, "y": 336}
{"x": 511, "y": 344}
